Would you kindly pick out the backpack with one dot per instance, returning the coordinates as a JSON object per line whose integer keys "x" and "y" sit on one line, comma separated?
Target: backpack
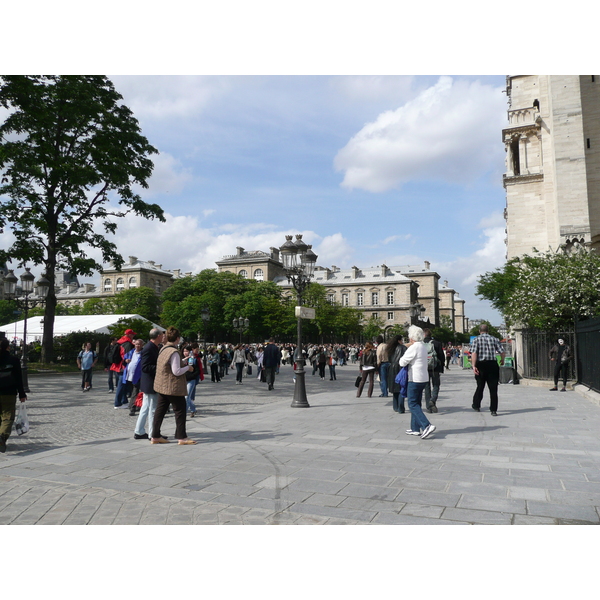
{"x": 432, "y": 359}
{"x": 115, "y": 355}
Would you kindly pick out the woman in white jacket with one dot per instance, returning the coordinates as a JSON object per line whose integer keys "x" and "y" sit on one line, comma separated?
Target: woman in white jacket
{"x": 415, "y": 358}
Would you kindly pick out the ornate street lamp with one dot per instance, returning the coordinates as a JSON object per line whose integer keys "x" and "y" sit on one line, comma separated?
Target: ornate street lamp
{"x": 299, "y": 265}
{"x": 241, "y": 325}
{"x": 416, "y": 310}
{"x": 10, "y": 291}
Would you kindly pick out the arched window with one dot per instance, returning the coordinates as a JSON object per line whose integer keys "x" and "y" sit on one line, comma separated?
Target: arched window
{"x": 107, "y": 285}
{"x": 120, "y": 284}
{"x": 259, "y": 275}
{"x": 243, "y": 273}
{"x": 132, "y": 282}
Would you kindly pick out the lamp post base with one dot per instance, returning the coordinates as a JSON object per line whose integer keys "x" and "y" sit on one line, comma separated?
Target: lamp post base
{"x": 300, "y": 400}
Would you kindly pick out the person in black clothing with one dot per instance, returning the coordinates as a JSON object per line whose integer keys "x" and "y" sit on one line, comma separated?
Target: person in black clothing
{"x": 561, "y": 353}
{"x": 432, "y": 389}
{"x": 271, "y": 360}
{"x": 395, "y": 351}
{"x": 11, "y": 384}
{"x": 108, "y": 364}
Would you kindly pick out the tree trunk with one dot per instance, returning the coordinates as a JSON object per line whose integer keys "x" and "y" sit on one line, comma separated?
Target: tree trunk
{"x": 49, "y": 314}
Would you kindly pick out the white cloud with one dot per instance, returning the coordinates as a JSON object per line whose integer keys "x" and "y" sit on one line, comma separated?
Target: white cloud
{"x": 168, "y": 176}
{"x": 166, "y": 96}
{"x": 395, "y": 238}
{"x": 448, "y": 132}
{"x": 334, "y": 250}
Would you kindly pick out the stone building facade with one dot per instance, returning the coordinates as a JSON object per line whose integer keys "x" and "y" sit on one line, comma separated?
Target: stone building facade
{"x": 255, "y": 264}
{"x": 386, "y": 292}
{"x": 552, "y": 177}
{"x": 134, "y": 273}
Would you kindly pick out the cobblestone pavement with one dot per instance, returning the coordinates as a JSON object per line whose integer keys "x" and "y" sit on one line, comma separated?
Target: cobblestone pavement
{"x": 342, "y": 461}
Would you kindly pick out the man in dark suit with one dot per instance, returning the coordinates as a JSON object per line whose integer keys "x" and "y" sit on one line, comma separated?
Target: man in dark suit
{"x": 271, "y": 360}
{"x": 149, "y": 358}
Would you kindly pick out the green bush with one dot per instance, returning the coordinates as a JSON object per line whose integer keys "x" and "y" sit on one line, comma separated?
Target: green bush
{"x": 67, "y": 347}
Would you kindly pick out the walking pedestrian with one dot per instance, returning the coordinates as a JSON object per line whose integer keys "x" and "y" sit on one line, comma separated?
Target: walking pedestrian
{"x": 396, "y": 350}
{"x": 485, "y": 367}
{"x": 367, "y": 366}
{"x": 415, "y": 358}
{"x": 271, "y": 362}
{"x": 383, "y": 365}
{"x": 11, "y": 386}
{"x": 86, "y": 360}
{"x": 239, "y": 361}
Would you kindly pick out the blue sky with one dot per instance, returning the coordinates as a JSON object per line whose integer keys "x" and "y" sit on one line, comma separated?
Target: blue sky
{"x": 370, "y": 169}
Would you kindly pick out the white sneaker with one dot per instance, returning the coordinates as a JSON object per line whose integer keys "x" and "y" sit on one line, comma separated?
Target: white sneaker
{"x": 428, "y": 431}
{"x": 411, "y": 432}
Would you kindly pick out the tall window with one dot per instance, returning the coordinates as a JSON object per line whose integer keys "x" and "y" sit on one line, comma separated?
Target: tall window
{"x": 107, "y": 285}
{"x": 259, "y": 275}
{"x": 375, "y": 298}
{"x": 345, "y": 300}
{"x": 120, "y": 284}
{"x": 331, "y": 298}
{"x": 243, "y": 273}
{"x": 390, "y": 298}
{"x": 390, "y": 316}
{"x": 132, "y": 282}
{"x": 157, "y": 286}
{"x": 359, "y": 299}
{"x": 375, "y": 316}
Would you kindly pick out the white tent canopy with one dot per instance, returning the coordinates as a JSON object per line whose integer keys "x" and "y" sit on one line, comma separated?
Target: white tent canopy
{"x": 64, "y": 325}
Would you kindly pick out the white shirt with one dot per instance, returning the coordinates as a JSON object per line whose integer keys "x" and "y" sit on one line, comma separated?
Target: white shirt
{"x": 135, "y": 358}
{"x": 176, "y": 367}
{"x": 416, "y": 357}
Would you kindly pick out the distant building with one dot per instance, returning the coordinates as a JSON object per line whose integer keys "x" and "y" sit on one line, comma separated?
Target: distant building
{"x": 385, "y": 292}
{"x": 134, "y": 273}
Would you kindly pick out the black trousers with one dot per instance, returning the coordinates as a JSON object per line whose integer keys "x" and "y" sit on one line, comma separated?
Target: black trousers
{"x": 558, "y": 367}
{"x": 489, "y": 372}
{"x": 179, "y": 410}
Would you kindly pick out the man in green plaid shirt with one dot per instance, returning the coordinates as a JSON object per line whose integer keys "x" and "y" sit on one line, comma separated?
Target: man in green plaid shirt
{"x": 485, "y": 367}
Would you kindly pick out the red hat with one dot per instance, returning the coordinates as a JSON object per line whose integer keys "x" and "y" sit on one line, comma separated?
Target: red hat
{"x": 130, "y": 332}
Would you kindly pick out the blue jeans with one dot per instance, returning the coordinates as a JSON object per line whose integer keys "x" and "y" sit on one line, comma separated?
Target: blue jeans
{"x": 122, "y": 388}
{"x": 146, "y": 413}
{"x": 384, "y": 367}
{"x": 418, "y": 420}
{"x": 189, "y": 399}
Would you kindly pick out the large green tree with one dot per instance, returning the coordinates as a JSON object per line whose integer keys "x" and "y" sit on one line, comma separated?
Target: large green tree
{"x": 70, "y": 155}
{"x": 142, "y": 301}
{"x": 546, "y": 290}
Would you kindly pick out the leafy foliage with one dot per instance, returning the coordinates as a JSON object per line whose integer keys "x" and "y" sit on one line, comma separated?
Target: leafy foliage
{"x": 68, "y": 147}
{"x": 140, "y": 326}
{"x": 491, "y": 330}
{"x": 546, "y": 290}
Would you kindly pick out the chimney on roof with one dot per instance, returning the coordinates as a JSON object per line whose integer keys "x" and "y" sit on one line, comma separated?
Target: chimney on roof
{"x": 89, "y": 287}
{"x": 176, "y": 273}
{"x": 189, "y": 274}
{"x": 240, "y": 251}
{"x": 446, "y": 282}
{"x": 275, "y": 254}
{"x": 158, "y": 266}
{"x": 151, "y": 262}
{"x": 355, "y": 271}
{"x": 384, "y": 270}
{"x": 132, "y": 260}
{"x": 427, "y": 265}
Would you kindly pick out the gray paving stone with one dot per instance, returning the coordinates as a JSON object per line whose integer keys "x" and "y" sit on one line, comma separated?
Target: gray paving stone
{"x": 533, "y": 520}
{"x": 315, "y": 485}
{"x": 369, "y": 491}
{"x": 547, "y": 509}
{"x": 402, "y": 519}
{"x": 477, "y": 516}
{"x": 329, "y": 511}
{"x": 372, "y": 505}
{"x": 324, "y": 500}
{"x": 528, "y": 493}
{"x": 421, "y": 483}
{"x": 422, "y": 510}
{"x": 425, "y": 497}
{"x": 491, "y": 503}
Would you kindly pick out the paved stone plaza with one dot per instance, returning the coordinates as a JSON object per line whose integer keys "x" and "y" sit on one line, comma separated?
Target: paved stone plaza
{"x": 342, "y": 461}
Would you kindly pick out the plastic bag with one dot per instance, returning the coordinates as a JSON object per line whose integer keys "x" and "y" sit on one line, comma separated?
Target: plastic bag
{"x": 21, "y": 420}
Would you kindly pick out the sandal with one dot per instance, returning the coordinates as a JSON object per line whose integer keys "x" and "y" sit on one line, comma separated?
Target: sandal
{"x": 186, "y": 442}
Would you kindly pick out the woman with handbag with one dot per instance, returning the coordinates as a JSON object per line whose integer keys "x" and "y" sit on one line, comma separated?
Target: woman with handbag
{"x": 367, "y": 366}
{"x": 239, "y": 360}
{"x": 415, "y": 358}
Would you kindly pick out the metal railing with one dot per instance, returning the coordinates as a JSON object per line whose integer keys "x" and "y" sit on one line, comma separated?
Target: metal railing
{"x": 588, "y": 346}
{"x": 535, "y": 360}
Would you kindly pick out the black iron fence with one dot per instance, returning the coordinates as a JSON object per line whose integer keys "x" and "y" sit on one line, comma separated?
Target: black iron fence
{"x": 588, "y": 353}
{"x": 536, "y": 363}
